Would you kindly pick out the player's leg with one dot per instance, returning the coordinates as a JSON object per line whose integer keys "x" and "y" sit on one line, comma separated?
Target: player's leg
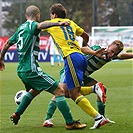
{"x": 50, "y": 111}
{"x": 74, "y": 81}
{"x": 52, "y": 60}
{"x": 52, "y": 105}
{"x": 86, "y": 106}
{"x": 28, "y": 97}
{"x": 88, "y": 81}
{"x": 58, "y": 59}
{"x": 64, "y": 109}
{"x": 21, "y": 108}
{"x": 85, "y": 90}
{"x": 88, "y": 88}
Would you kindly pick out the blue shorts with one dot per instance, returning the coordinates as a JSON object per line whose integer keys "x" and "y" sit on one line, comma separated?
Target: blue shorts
{"x": 86, "y": 79}
{"x": 75, "y": 66}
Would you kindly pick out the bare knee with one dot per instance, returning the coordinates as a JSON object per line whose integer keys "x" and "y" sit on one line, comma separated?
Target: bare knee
{"x": 34, "y": 92}
{"x": 59, "y": 91}
{"x": 74, "y": 93}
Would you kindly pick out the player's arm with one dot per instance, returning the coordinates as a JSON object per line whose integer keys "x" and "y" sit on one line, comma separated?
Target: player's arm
{"x": 85, "y": 37}
{"x": 125, "y": 56}
{"x": 48, "y": 24}
{"x": 2, "y": 54}
{"x": 99, "y": 53}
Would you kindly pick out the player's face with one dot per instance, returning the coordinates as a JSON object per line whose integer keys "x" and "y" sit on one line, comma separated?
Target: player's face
{"x": 112, "y": 51}
{"x": 38, "y": 17}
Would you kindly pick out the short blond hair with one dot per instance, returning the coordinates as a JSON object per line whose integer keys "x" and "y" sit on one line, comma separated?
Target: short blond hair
{"x": 119, "y": 45}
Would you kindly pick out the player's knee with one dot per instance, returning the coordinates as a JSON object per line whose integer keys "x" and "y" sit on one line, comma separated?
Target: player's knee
{"x": 59, "y": 91}
{"x": 74, "y": 93}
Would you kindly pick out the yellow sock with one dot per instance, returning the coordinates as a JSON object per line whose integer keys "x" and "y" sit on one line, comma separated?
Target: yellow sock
{"x": 86, "y": 90}
{"x": 85, "y": 105}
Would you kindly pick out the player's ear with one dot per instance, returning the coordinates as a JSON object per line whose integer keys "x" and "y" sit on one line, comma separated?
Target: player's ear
{"x": 109, "y": 45}
{"x": 55, "y": 15}
{"x": 26, "y": 16}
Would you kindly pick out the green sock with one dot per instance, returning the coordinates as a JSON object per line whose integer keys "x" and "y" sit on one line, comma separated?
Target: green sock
{"x": 101, "y": 107}
{"x": 64, "y": 109}
{"x": 51, "y": 109}
{"x": 24, "y": 103}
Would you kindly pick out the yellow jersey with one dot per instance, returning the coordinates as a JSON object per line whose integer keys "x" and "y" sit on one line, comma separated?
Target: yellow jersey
{"x": 65, "y": 37}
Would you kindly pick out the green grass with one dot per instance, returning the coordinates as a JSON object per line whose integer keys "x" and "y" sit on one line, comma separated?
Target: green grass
{"x": 117, "y": 76}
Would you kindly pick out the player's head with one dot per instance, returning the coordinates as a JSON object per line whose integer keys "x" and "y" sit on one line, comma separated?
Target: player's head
{"x": 58, "y": 11}
{"x": 114, "y": 49}
{"x": 33, "y": 13}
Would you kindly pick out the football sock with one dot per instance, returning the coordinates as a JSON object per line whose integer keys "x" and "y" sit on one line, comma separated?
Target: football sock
{"x": 64, "y": 109}
{"x": 85, "y": 90}
{"x": 24, "y": 103}
{"x": 51, "y": 109}
{"x": 101, "y": 107}
{"x": 85, "y": 105}
{"x": 93, "y": 88}
{"x": 98, "y": 116}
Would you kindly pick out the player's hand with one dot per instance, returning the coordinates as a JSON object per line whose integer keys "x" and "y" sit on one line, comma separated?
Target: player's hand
{"x": 100, "y": 53}
{"x": 66, "y": 23}
{"x": 2, "y": 65}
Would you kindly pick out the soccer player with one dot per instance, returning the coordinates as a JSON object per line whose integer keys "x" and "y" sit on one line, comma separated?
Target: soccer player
{"x": 75, "y": 62}
{"x": 35, "y": 80}
{"x": 53, "y": 52}
{"x": 113, "y": 52}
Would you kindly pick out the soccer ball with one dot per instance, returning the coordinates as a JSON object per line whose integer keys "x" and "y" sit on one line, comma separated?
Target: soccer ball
{"x": 19, "y": 95}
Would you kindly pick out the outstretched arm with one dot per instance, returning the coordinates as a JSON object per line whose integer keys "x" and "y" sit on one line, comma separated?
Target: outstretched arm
{"x": 125, "y": 56}
{"x": 99, "y": 53}
{"x": 2, "y": 54}
{"x": 46, "y": 24}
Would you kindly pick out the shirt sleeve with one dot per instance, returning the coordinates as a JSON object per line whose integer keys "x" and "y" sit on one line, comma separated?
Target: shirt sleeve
{"x": 79, "y": 30}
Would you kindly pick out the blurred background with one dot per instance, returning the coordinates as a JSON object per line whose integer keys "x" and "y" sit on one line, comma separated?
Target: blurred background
{"x": 103, "y": 20}
{"x": 86, "y": 13}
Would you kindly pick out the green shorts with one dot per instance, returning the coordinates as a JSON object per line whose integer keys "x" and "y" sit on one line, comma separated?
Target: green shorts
{"x": 38, "y": 80}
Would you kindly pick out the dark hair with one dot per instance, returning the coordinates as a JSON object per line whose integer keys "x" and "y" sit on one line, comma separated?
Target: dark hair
{"x": 59, "y": 10}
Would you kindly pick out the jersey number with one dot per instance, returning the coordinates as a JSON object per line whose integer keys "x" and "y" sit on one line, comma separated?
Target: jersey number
{"x": 68, "y": 32}
{"x": 20, "y": 41}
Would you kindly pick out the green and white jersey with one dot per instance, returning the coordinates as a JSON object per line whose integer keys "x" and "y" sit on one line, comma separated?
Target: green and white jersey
{"x": 27, "y": 40}
{"x": 94, "y": 62}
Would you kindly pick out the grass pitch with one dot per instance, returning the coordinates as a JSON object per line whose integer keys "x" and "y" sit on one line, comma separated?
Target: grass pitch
{"x": 117, "y": 76}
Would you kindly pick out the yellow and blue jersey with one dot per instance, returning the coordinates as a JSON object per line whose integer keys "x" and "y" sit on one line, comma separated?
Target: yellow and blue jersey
{"x": 65, "y": 37}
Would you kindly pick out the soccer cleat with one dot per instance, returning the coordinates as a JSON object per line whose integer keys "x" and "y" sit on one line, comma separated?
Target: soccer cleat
{"x": 15, "y": 118}
{"x": 110, "y": 121}
{"x": 75, "y": 125}
{"x": 48, "y": 123}
{"x": 99, "y": 89}
{"x": 99, "y": 122}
